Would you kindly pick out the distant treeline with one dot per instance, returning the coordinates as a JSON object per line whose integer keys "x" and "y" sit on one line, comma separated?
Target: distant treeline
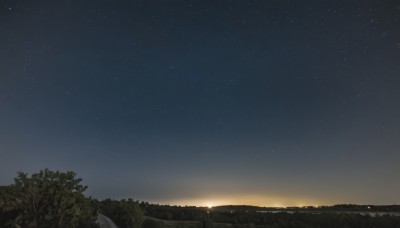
{"x": 56, "y": 199}
{"x": 338, "y": 207}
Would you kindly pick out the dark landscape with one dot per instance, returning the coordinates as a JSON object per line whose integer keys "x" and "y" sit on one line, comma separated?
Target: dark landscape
{"x": 55, "y": 199}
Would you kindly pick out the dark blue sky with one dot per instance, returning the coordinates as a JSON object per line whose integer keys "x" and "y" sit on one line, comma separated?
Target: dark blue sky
{"x": 205, "y": 102}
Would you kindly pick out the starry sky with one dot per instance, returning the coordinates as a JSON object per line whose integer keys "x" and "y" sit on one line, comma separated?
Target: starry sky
{"x": 273, "y": 103}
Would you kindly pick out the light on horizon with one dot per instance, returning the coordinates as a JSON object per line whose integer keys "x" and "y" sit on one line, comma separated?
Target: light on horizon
{"x": 209, "y": 205}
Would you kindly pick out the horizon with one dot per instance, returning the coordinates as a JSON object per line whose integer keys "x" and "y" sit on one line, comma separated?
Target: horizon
{"x": 250, "y": 102}
{"x": 214, "y": 203}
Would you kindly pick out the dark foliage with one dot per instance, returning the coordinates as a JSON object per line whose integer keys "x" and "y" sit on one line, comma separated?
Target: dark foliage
{"x": 46, "y": 199}
{"x": 125, "y": 213}
{"x": 174, "y": 212}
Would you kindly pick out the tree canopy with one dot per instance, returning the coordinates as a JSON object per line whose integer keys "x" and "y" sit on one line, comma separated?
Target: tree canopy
{"x": 47, "y": 199}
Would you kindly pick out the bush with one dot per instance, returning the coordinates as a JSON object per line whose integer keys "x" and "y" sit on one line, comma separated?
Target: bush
{"x": 47, "y": 199}
{"x": 125, "y": 213}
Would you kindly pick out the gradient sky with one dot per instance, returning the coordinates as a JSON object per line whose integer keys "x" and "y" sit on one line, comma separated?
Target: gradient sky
{"x": 274, "y": 103}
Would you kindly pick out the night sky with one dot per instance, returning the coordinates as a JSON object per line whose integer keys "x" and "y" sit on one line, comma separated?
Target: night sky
{"x": 274, "y": 103}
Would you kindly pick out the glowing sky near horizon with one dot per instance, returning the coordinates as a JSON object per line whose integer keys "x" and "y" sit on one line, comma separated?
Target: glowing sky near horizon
{"x": 271, "y": 103}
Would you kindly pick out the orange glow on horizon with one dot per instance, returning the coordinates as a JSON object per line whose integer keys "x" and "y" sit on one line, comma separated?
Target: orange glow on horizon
{"x": 254, "y": 200}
